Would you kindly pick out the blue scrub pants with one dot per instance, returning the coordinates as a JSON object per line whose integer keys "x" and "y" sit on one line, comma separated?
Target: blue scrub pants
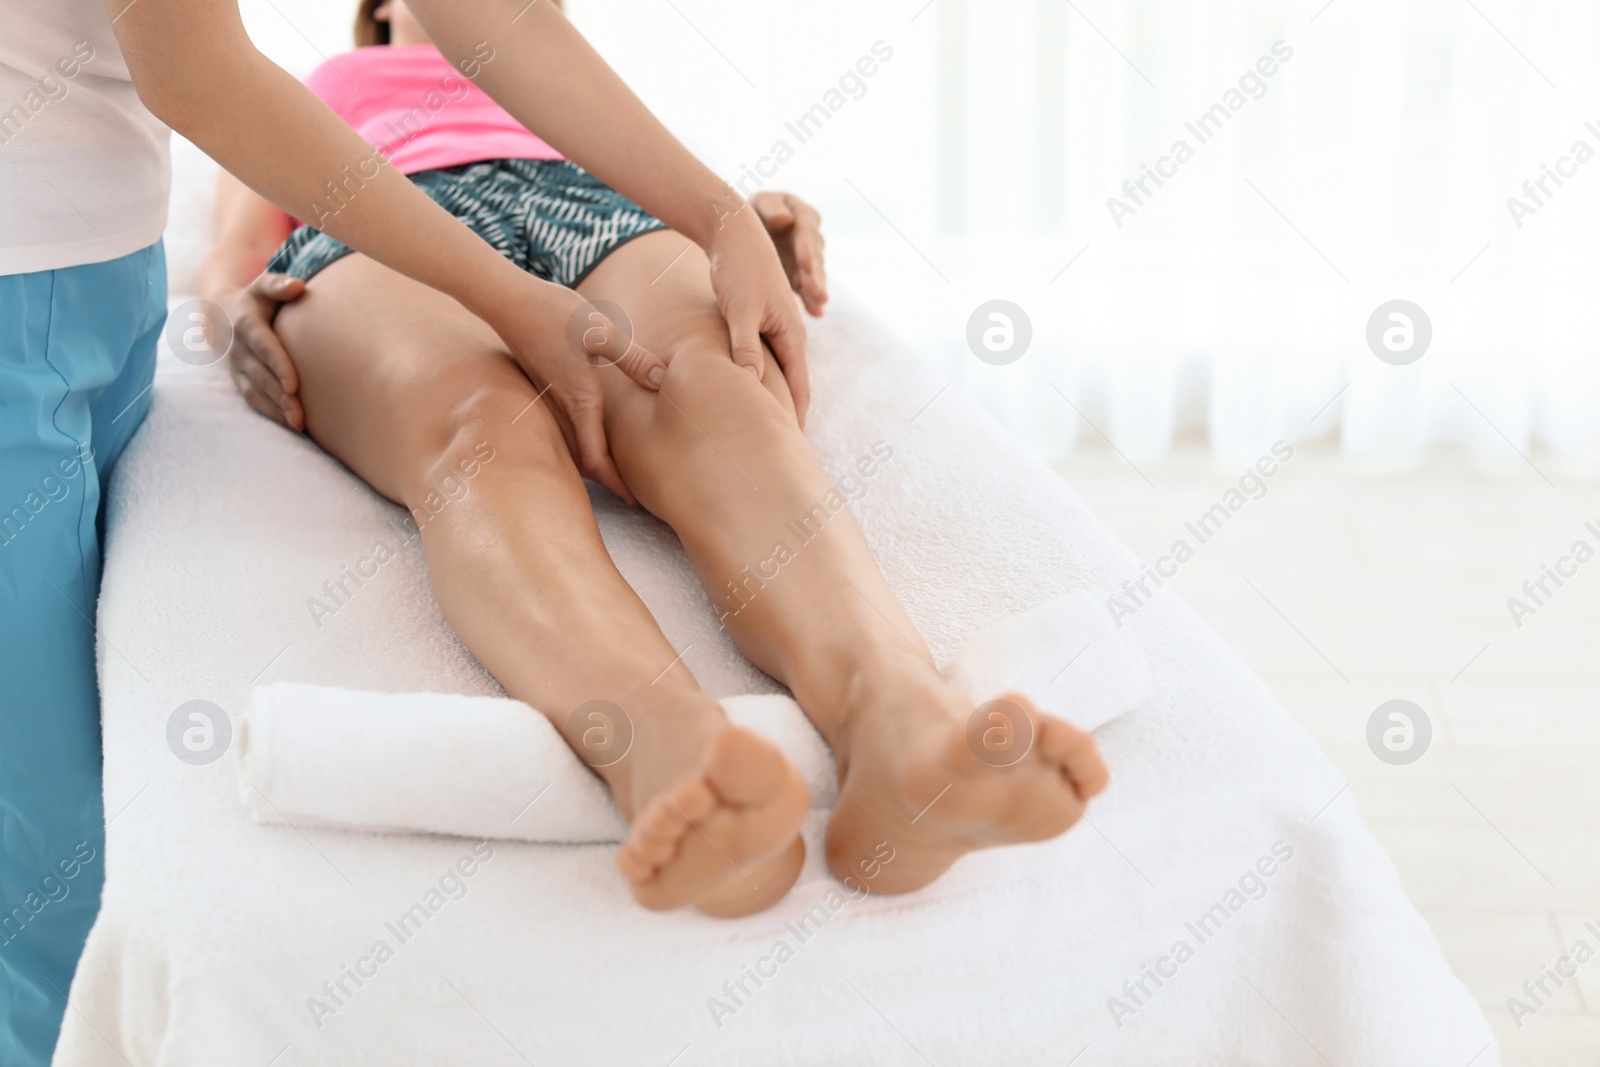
{"x": 77, "y": 355}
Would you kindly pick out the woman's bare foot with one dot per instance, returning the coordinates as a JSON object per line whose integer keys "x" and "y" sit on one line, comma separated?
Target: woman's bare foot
{"x": 724, "y": 837}
{"x": 909, "y": 776}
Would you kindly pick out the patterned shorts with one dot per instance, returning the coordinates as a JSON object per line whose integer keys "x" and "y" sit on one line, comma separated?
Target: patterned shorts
{"x": 548, "y": 216}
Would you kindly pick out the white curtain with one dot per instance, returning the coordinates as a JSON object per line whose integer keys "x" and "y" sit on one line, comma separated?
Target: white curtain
{"x": 1373, "y": 164}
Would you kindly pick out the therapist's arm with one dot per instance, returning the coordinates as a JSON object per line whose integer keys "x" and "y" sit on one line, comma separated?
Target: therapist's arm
{"x": 546, "y": 75}
{"x": 196, "y": 69}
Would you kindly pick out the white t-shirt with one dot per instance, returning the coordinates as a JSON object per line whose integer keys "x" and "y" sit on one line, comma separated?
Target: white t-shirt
{"x": 84, "y": 168}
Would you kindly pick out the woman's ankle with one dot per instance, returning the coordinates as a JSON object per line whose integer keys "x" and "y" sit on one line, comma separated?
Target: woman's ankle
{"x": 848, "y": 688}
{"x": 634, "y": 737}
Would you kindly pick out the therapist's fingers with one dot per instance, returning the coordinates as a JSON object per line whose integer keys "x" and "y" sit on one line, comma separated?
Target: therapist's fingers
{"x": 608, "y": 343}
{"x": 744, "y": 339}
{"x": 594, "y": 457}
{"x": 256, "y": 343}
{"x": 787, "y": 337}
{"x": 810, "y": 276}
{"x": 255, "y": 323}
{"x": 578, "y": 403}
{"x": 263, "y": 392}
{"x": 796, "y": 231}
{"x": 774, "y": 209}
{"x": 279, "y": 287}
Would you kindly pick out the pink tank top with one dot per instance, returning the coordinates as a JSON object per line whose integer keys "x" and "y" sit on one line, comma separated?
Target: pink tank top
{"x": 419, "y": 111}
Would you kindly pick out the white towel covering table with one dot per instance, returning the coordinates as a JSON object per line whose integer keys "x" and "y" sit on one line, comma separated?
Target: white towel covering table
{"x": 1225, "y": 905}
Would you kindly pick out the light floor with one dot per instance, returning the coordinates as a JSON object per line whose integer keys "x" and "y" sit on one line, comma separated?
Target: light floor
{"x": 1343, "y": 589}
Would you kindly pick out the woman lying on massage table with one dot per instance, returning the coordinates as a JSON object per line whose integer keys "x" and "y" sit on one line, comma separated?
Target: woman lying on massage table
{"x": 410, "y": 390}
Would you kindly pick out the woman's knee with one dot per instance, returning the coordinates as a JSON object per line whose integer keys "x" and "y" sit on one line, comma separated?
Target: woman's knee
{"x": 495, "y": 420}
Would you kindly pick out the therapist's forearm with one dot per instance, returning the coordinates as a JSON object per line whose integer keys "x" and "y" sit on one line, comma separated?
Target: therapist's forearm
{"x": 554, "y": 83}
{"x": 196, "y": 70}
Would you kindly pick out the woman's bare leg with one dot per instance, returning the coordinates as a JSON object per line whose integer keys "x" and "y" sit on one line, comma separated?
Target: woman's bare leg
{"x": 718, "y": 455}
{"x": 420, "y": 399}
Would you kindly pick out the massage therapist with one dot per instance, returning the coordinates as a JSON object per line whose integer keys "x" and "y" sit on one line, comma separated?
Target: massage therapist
{"x": 87, "y": 93}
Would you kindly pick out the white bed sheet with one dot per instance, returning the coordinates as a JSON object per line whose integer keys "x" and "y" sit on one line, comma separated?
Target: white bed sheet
{"x": 216, "y": 934}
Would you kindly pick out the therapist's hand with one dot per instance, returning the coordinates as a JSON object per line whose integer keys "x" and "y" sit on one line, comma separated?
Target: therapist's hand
{"x": 260, "y": 365}
{"x": 753, "y": 293}
{"x": 563, "y": 344}
{"x": 796, "y": 231}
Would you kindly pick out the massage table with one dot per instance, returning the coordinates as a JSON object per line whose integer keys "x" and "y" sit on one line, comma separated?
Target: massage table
{"x": 1222, "y": 903}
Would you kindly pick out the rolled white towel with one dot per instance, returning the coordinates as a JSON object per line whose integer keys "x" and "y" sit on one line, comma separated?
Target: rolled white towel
{"x": 492, "y": 767}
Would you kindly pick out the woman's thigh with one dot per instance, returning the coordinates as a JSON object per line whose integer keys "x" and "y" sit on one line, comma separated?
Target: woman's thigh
{"x": 394, "y": 375}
